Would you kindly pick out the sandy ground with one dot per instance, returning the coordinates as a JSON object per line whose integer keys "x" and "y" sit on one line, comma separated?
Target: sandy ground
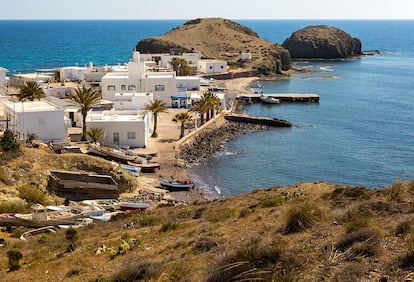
{"x": 164, "y": 146}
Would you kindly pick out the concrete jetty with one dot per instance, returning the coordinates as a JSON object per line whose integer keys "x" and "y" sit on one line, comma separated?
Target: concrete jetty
{"x": 284, "y": 97}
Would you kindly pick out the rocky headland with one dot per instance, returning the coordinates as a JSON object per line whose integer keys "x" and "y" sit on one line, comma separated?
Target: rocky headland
{"x": 322, "y": 42}
{"x": 217, "y": 38}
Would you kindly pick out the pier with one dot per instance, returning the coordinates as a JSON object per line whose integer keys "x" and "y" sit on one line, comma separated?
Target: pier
{"x": 284, "y": 97}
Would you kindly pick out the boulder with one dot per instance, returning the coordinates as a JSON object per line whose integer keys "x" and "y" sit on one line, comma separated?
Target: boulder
{"x": 322, "y": 42}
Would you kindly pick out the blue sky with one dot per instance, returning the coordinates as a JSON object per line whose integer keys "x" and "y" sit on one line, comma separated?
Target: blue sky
{"x": 186, "y": 9}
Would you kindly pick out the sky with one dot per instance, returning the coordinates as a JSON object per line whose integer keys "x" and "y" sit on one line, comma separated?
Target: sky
{"x": 191, "y": 9}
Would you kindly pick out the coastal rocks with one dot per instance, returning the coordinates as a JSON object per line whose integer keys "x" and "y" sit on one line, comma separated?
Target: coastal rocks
{"x": 221, "y": 39}
{"x": 322, "y": 42}
{"x": 208, "y": 142}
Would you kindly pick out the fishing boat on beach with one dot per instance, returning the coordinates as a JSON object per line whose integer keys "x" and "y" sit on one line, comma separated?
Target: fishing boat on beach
{"x": 136, "y": 206}
{"x": 111, "y": 154}
{"x": 176, "y": 185}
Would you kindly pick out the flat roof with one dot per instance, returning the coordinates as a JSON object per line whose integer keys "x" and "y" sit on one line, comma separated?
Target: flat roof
{"x": 31, "y": 106}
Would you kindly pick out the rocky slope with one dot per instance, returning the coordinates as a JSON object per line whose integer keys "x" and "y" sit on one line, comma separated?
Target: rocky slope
{"x": 223, "y": 39}
{"x": 322, "y": 42}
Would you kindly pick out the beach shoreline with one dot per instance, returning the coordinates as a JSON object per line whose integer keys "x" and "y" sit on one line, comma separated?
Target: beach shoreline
{"x": 165, "y": 148}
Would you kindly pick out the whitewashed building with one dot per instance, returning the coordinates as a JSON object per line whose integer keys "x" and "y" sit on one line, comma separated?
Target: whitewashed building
{"x": 41, "y": 119}
{"x": 164, "y": 60}
{"x": 139, "y": 78}
{"x": 190, "y": 83}
{"x": 122, "y": 128}
{"x": 212, "y": 66}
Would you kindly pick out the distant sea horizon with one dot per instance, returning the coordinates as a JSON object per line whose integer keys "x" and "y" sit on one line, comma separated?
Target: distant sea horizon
{"x": 360, "y": 134}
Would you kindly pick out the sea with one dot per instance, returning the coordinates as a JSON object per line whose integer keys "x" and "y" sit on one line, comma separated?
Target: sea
{"x": 361, "y": 133}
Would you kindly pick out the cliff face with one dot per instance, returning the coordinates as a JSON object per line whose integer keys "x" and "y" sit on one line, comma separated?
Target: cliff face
{"x": 323, "y": 42}
{"x": 222, "y": 39}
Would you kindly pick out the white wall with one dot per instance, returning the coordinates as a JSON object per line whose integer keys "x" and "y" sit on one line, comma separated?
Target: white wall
{"x": 123, "y": 126}
{"x": 188, "y": 82}
{"x": 132, "y": 101}
{"x": 162, "y": 87}
{"x": 212, "y": 66}
{"x": 40, "y": 118}
{"x": 3, "y": 80}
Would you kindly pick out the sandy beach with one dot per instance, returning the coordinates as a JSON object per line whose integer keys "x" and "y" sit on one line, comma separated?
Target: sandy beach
{"x": 166, "y": 144}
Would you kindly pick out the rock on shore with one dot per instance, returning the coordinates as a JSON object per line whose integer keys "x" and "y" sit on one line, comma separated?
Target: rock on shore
{"x": 210, "y": 141}
{"x": 322, "y": 42}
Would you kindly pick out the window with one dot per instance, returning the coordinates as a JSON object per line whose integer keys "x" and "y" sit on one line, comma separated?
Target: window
{"x": 131, "y": 87}
{"x": 131, "y": 135}
{"x": 159, "y": 87}
{"x": 222, "y": 67}
{"x": 123, "y": 87}
{"x": 211, "y": 67}
{"x": 111, "y": 87}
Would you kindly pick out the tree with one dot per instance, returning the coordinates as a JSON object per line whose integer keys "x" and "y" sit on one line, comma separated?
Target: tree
{"x": 183, "y": 118}
{"x": 180, "y": 66}
{"x": 95, "y": 133}
{"x": 208, "y": 103}
{"x": 156, "y": 107}
{"x": 9, "y": 142}
{"x": 30, "y": 90}
{"x": 14, "y": 259}
{"x": 85, "y": 98}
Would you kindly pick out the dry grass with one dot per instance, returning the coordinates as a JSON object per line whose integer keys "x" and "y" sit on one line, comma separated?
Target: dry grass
{"x": 241, "y": 237}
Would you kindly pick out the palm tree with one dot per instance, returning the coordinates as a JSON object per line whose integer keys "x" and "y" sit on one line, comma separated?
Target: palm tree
{"x": 156, "y": 107}
{"x": 200, "y": 107}
{"x": 180, "y": 66}
{"x": 95, "y": 133}
{"x": 85, "y": 98}
{"x": 30, "y": 90}
{"x": 183, "y": 118}
{"x": 213, "y": 103}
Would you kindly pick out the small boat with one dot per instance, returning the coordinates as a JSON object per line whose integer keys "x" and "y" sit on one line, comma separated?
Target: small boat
{"x": 130, "y": 168}
{"x": 147, "y": 167}
{"x": 176, "y": 185}
{"x": 46, "y": 229}
{"x": 105, "y": 204}
{"x": 111, "y": 154}
{"x": 269, "y": 100}
{"x": 133, "y": 206}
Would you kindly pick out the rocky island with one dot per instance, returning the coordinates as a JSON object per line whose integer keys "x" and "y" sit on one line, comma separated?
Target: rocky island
{"x": 322, "y": 42}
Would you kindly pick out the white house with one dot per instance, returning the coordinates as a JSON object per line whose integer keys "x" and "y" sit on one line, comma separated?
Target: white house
{"x": 132, "y": 101}
{"x": 41, "y": 119}
{"x": 139, "y": 78}
{"x": 122, "y": 128}
{"x": 164, "y": 60}
{"x": 212, "y": 66}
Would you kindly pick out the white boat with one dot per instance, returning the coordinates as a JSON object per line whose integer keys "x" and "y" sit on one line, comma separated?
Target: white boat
{"x": 269, "y": 100}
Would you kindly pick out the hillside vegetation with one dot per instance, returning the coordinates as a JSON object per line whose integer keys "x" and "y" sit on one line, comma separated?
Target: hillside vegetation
{"x": 305, "y": 232}
{"x": 217, "y": 38}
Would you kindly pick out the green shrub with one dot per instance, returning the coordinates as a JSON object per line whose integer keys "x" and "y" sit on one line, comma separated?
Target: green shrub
{"x": 301, "y": 216}
{"x": 407, "y": 260}
{"x": 204, "y": 246}
{"x": 273, "y": 202}
{"x": 9, "y": 142}
{"x": 168, "y": 226}
{"x": 148, "y": 220}
{"x": 358, "y": 218}
{"x": 32, "y": 194}
{"x": 14, "y": 257}
{"x": 220, "y": 214}
{"x": 184, "y": 213}
{"x": 14, "y": 207}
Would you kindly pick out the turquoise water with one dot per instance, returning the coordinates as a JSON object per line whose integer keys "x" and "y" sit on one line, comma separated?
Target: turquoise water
{"x": 361, "y": 132}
